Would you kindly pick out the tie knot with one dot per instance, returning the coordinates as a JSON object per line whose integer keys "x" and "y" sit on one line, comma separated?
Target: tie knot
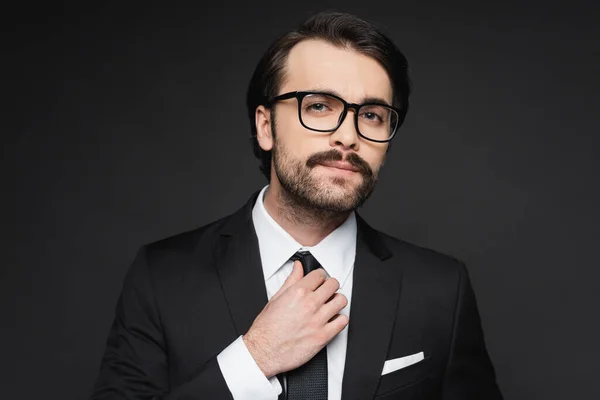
{"x": 309, "y": 262}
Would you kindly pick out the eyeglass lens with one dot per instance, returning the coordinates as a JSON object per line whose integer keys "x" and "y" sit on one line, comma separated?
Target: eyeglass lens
{"x": 323, "y": 112}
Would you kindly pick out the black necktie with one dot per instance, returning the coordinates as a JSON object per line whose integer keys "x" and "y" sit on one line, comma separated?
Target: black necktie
{"x": 309, "y": 381}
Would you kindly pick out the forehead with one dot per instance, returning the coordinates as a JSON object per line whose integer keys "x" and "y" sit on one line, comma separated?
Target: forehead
{"x": 318, "y": 65}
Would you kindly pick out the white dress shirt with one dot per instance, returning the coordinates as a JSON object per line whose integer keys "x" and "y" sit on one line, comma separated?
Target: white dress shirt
{"x": 336, "y": 255}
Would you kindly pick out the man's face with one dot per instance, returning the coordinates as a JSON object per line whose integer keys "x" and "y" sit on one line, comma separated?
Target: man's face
{"x": 331, "y": 171}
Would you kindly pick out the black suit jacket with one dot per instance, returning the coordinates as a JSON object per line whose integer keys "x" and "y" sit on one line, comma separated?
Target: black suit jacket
{"x": 187, "y": 297}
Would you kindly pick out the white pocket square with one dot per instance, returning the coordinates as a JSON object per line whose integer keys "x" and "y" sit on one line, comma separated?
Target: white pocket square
{"x": 402, "y": 362}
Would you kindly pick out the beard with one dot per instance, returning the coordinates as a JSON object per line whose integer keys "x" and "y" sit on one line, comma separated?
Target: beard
{"x": 303, "y": 188}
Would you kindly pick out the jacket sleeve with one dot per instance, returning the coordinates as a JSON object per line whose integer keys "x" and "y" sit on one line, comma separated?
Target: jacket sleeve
{"x": 469, "y": 373}
{"x": 135, "y": 362}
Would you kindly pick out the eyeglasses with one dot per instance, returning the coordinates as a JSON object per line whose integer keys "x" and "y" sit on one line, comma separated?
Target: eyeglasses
{"x": 325, "y": 112}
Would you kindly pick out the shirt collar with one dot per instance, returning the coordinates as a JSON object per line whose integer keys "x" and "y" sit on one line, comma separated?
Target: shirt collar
{"x": 335, "y": 253}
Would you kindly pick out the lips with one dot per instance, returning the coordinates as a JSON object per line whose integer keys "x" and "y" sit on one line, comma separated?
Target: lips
{"x": 347, "y": 164}
{"x": 340, "y": 165}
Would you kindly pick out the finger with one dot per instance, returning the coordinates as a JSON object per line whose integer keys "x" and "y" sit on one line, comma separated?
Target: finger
{"x": 324, "y": 292}
{"x": 333, "y": 307}
{"x": 314, "y": 279}
{"x": 292, "y": 278}
{"x": 336, "y": 325}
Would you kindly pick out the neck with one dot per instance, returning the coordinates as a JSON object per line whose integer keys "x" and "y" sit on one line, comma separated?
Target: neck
{"x": 308, "y": 226}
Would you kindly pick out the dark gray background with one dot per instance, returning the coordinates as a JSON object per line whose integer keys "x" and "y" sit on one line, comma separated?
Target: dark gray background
{"x": 123, "y": 125}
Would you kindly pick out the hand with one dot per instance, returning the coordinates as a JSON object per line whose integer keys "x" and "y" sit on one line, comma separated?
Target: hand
{"x": 298, "y": 321}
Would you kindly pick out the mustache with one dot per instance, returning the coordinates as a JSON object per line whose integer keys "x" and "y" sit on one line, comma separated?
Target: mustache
{"x": 334, "y": 155}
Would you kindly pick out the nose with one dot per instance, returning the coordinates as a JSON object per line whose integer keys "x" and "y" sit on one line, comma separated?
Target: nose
{"x": 345, "y": 136}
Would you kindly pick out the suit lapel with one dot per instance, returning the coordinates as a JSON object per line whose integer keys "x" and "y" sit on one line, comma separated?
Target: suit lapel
{"x": 238, "y": 263}
{"x": 375, "y": 295}
{"x": 237, "y": 257}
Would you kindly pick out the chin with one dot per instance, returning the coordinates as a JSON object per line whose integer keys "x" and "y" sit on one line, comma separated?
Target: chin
{"x": 328, "y": 180}
{"x": 339, "y": 192}
{"x": 341, "y": 183}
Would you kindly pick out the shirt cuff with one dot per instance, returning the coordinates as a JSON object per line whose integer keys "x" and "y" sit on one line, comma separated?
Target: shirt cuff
{"x": 244, "y": 378}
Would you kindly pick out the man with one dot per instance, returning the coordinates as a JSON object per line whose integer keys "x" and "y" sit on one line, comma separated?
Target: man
{"x": 294, "y": 296}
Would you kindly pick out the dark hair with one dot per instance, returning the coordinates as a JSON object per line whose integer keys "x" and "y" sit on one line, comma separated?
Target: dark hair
{"x": 339, "y": 29}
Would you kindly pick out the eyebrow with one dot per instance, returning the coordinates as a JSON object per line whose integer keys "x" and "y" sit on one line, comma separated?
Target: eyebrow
{"x": 363, "y": 100}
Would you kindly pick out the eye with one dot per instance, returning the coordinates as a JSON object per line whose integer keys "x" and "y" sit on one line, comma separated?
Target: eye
{"x": 371, "y": 116}
{"x": 317, "y": 107}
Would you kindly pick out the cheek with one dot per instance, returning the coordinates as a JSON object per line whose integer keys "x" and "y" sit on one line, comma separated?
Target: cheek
{"x": 375, "y": 156}
{"x": 287, "y": 127}
{"x": 300, "y": 142}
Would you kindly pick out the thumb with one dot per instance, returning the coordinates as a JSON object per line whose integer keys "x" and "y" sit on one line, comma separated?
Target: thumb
{"x": 296, "y": 274}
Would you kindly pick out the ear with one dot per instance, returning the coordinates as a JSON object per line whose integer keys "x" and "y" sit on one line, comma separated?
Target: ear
{"x": 262, "y": 119}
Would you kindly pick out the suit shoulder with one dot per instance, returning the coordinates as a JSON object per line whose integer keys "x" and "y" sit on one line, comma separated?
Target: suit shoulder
{"x": 424, "y": 258}
{"x": 177, "y": 255}
{"x": 427, "y": 272}
{"x": 187, "y": 241}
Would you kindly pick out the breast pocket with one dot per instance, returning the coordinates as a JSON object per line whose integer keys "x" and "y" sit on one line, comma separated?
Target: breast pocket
{"x": 404, "y": 377}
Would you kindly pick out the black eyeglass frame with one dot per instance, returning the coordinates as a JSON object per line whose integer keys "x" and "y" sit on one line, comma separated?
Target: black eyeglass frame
{"x": 300, "y": 95}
